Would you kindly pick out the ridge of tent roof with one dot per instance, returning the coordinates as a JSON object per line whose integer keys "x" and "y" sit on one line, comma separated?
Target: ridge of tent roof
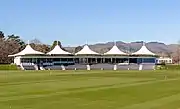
{"x": 115, "y": 51}
{"x": 143, "y": 51}
{"x": 27, "y": 51}
{"x": 58, "y": 51}
{"x": 86, "y": 51}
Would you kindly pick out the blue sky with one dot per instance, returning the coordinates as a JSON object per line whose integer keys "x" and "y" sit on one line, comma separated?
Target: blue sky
{"x": 76, "y": 22}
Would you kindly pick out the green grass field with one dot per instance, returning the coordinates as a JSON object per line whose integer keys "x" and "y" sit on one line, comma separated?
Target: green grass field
{"x": 89, "y": 89}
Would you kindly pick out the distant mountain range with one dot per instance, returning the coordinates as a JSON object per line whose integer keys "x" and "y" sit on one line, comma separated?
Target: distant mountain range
{"x": 156, "y": 47}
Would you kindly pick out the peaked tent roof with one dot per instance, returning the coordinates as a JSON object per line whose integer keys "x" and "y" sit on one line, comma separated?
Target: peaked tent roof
{"x": 143, "y": 51}
{"x": 115, "y": 51}
{"x": 86, "y": 51}
{"x": 58, "y": 51}
{"x": 27, "y": 51}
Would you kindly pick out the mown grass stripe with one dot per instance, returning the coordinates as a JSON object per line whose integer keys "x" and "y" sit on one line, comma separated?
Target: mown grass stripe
{"x": 81, "y": 90}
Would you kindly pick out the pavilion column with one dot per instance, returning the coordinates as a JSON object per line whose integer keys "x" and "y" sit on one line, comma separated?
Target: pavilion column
{"x": 60, "y": 60}
{"x": 73, "y": 60}
{"x": 86, "y": 60}
{"x": 67, "y": 60}
{"x": 36, "y": 60}
{"x": 79, "y": 60}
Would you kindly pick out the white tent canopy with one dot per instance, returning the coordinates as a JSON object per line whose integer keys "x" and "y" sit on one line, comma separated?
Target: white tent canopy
{"x": 86, "y": 51}
{"x": 58, "y": 51}
{"x": 28, "y": 51}
{"x": 143, "y": 51}
{"x": 115, "y": 51}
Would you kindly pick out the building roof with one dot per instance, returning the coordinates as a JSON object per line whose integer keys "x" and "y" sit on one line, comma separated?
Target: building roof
{"x": 27, "y": 51}
{"x": 115, "y": 51}
{"x": 58, "y": 51}
{"x": 143, "y": 51}
{"x": 86, "y": 51}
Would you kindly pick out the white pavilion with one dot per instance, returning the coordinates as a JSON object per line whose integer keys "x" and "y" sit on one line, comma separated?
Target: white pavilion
{"x": 59, "y": 57}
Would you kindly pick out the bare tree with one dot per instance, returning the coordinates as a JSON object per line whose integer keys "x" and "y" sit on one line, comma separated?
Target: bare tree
{"x": 178, "y": 52}
{"x": 77, "y": 49}
{"x": 36, "y": 41}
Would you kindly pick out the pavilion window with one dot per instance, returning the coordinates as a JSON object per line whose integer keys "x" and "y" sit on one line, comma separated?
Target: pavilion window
{"x": 94, "y": 60}
{"x": 99, "y": 60}
{"x": 76, "y": 60}
{"x": 133, "y": 60}
{"x": 49, "y": 60}
{"x": 107, "y": 60}
{"x": 34, "y": 60}
{"x": 81, "y": 60}
{"x": 64, "y": 59}
{"x": 88, "y": 60}
{"x": 148, "y": 60}
{"x": 26, "y": 60}
{"x": 56, "y": 59}
{"x": 169, "y": 61}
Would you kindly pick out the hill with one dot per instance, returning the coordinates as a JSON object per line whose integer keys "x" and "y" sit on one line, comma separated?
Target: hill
{"x": 156, "y": 47}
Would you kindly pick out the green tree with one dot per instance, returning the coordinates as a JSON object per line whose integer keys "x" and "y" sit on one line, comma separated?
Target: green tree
{"x": 15, "y": 38}
{"x": 56, "y": 43}
{"x": 1, "y": 35}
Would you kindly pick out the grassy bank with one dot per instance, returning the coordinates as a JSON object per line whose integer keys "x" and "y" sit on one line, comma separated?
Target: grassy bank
{"x": 168, "y": 67}
{"x": 173, "y": 67}
{"x": 8, "y": 67}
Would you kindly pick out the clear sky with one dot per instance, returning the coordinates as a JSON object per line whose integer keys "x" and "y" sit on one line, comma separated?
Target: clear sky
{"x": 76, "y": 22}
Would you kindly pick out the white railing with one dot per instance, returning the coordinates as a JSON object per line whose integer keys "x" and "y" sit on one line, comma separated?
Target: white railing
{"x": 48, "y": 64}
{"x": 123, "y": 63}
{"x": 115, "y": 67}
{"x": 63, "y": 68}
{"x": 140, "y": 67}
{"x": 27, "y": 64}
{"x": 88, "y": 67}
{"x": 36, "y": 67}
{"x": 42, "y": 68}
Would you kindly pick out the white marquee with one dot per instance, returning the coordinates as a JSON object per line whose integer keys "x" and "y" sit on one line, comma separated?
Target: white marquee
{"x": 86, "y": 51}
{"x": 58, "y": 51}
{"x": 143, "y": 51}
{"x": 27, "y": 51}
{"x": 115, "y": 51}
